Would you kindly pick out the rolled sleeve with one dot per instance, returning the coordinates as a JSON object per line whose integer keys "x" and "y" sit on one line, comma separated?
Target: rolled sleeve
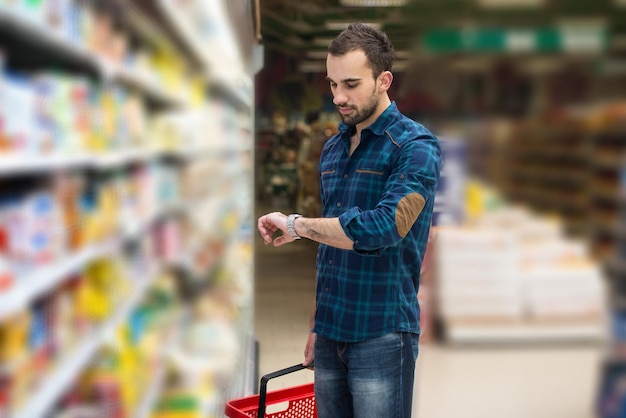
{"x": 413, "y": 180}
{"x": 363, "y": 242}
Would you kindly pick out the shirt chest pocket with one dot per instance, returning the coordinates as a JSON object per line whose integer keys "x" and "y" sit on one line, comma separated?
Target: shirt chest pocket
{"x": 329, "y": 179}
{"x": 370, "y": 181}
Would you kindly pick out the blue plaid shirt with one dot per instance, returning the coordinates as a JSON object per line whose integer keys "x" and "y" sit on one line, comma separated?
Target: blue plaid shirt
{"x": 376, "y": 193}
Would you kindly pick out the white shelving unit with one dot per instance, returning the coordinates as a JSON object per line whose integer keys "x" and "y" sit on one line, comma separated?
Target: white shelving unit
{"x": 239, "y": 94}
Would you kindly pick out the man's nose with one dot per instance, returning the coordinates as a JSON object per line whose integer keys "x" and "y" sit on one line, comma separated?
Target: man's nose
{"x": 339, "y": 99}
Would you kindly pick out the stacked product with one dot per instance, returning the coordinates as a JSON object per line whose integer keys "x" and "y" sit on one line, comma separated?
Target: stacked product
{"x": 37, "y": 339}
{"x": 511, "y": 275}
{"x": 478, "y": 272}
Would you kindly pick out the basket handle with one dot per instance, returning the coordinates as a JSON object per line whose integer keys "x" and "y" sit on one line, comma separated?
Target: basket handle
{"x": 266, "y": 378}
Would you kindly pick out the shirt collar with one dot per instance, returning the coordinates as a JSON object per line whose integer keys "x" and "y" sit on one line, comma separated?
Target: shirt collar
{"x": 379, "y": 125}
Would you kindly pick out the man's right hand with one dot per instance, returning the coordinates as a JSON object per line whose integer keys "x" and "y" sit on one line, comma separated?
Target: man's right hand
{"x": 309, "y": 350}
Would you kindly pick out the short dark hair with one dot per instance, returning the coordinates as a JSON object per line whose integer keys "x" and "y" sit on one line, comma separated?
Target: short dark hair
{"x": 375, "y": 43}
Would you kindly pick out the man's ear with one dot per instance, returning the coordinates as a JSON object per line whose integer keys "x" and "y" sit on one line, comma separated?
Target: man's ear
{"x": 384, "y": 81}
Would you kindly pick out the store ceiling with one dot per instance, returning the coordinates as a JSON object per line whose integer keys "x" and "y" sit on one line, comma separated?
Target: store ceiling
{"x": 303, "y": 28}
{"x": 296, "y": 26}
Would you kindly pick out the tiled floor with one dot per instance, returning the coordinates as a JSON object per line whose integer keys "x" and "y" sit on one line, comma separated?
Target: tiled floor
{"x": 451, "y": 382}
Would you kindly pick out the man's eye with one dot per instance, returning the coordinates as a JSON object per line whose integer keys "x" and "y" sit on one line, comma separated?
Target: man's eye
{"x": 351, "y": 86}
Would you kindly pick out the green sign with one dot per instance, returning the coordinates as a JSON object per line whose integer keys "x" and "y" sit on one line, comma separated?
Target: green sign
{"x": 515, "y": 40}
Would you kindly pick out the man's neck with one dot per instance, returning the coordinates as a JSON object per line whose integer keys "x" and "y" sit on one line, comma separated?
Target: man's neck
{"x": 383, "y": 104}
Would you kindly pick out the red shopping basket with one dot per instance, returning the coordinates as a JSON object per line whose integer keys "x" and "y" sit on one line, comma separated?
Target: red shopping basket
{"x": 294, "y": 402}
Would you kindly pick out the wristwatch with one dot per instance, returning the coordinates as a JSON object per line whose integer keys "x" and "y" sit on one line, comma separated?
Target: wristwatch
{"x": 290, "y": 227}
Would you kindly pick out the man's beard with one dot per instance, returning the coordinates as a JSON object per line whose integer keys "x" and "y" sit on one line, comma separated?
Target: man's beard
{"x": 359, "y": 116}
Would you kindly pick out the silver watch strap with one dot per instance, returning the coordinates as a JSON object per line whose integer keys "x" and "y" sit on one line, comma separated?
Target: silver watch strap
{"x": 290, "y": 225}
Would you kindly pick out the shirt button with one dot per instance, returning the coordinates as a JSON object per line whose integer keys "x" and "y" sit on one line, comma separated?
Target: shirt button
{"x": 331, "y": 262}
{"x": 339, "y": 204}
{"x": 401, "y": 176}
{"x": 345, "y": 176}
{"x": 327, "y": 289}
{"x": 356, "y": 242}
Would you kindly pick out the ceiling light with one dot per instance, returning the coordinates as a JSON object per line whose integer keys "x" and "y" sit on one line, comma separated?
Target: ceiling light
{"x": 322, "y": 41}
{"x": 312, "y": 67}
{"x": 404, "y": 54}
{"x": 317, "y": 54}
{"x": 401, "y": 66}
{"x": 596, "y": 22}
{"x": 344, "y": 25}
{"x": 542, "y": 65}
{"x": 511, "y": 4}
{"x": 373, "y": 3}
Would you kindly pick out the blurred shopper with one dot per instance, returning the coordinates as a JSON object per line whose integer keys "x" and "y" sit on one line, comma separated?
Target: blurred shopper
{"x": 378, "y": 178}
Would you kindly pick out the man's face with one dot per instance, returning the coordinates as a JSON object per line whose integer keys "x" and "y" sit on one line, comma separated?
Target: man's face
{"x": 354, "y": 89}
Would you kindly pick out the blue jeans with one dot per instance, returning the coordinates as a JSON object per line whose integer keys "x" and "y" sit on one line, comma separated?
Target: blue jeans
{"x": 369, "y": 379}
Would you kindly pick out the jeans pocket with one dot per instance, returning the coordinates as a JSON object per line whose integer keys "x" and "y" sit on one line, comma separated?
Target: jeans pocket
{"x": 415, "y": 343}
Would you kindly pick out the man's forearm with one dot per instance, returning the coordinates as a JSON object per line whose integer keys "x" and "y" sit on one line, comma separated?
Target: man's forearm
{"x": 323, "y": 230}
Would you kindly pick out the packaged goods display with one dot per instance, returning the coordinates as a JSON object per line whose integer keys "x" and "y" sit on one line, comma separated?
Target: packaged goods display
{"x": 124, "y": 251}
{"x": 116, "y": 383}
{"x": 90, "y": 31}
{"x": 514, "y": 275}
{"x": 37, "y": 340}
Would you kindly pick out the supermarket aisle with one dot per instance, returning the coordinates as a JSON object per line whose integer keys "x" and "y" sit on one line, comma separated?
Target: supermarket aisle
{"x": 472, "y": 382}
{"x": 284, "y": 294}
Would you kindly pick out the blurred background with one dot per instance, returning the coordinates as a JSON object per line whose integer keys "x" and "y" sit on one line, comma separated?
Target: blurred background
{"x": 140, "y": 140}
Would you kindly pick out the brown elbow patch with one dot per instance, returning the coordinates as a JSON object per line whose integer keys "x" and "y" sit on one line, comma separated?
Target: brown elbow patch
{"x": 409, "y": 208}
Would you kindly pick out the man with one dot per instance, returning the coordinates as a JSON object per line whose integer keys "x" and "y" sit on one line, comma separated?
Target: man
{"x": 378, "y": 178}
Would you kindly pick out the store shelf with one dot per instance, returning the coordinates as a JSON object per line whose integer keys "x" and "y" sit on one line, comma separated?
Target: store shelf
{"x": 37, "y": 34}
{"x": 178, "y": 25}
{"x": 233, "y": 91}
{"x": 158, "y": 382}
{"x": 245, "y": 382}
{"x": 121, "y": 158}
{"x": 609, "y": 162}
{"x": 47, "y": 277}
{"x": 75, "y": 361}
{"x": 606, "y": 193}
{"x": 55, "y": 43}
{"x": 149, "y": 87}
{"x": 525, "y": 333}
{"x": 152, "y": 393}
{"x": 12, "y": 165}
{"x": 194, "y": 154}
{"x": 29, "y": 45}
